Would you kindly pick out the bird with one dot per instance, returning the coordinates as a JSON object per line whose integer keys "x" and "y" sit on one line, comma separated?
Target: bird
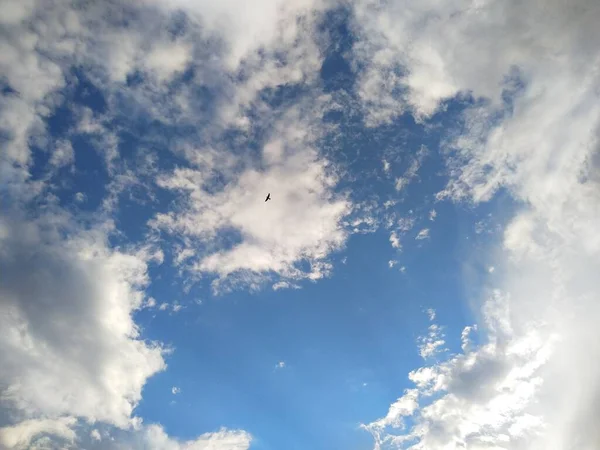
{"x": 268, "y": 197}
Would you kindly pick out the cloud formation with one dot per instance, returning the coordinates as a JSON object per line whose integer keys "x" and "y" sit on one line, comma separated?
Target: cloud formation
{"x": 536, "y": 135}
{"x": 528, "y": 75}
{"x": 67, "y": 314}
{"x": 239, "y": 231}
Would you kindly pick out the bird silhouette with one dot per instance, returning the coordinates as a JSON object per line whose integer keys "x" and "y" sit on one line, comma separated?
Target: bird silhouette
{"x": 268, "y": 197}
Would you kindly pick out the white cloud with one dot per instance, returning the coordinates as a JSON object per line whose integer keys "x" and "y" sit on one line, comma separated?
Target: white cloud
{"x": 386, "y": 166}
{"x": 532, "y": 383}
{"x": 405, "y": 224}
{"x": 302, "y": 221}
{"x": 401, "y": 183}
{"x": 62, "y": 155}
{"x": 432, "y": 215}
{"x": 52, "y": 333}
{"x": 284, "y": 285}
{"x": 432, "y": 343}
{"x": 95, "y": 435}
{"x": 402, "y": 407}
{"x": 80, "y": 197}
{"x": 24, "y": 434}
{"x": 175, "y": 390}
{"x": 431, "y": 314}
{"x": 476, "y": 399}
{"x": 154, "y": 437}
{"x": 246, "y": 29}
{"x": 280, "y": 365}
{"x": 168, "y": 58}
{"x": 392, "y": 263}
{"x": 465, "y": 342}
{"x": 395, "y": 240}
{"x": 411, "y": 172}
{"x": 423, "y": 234}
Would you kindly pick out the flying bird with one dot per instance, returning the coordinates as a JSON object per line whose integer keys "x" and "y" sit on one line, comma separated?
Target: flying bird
{"x": 268, "y": 197}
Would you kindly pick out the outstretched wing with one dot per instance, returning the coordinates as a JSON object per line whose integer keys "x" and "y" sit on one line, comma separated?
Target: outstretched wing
{"x": 268, "y": 197}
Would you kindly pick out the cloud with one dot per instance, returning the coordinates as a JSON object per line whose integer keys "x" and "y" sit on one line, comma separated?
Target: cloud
{"x": 386, "y": 166}
{"x": 53, "y": 333}
{"x": 284, "y": 285}
{"x": 402, "y": 407}
{"x": 95, "y": 435}
{"x": 423, "y": 234}
{"x": 531, "y": 382}
{"x": 411, "y": 172}
{"x": 66, "y": 310}
{"x": 175, "y": 390}
{"x": 302, "y": 222}
{"x": 431, "y": 314}
{"x": 432, "y": 343}
{"x": 395, "y": 240}
{"x": 465, "y": 341}
{"x": 154, "y": 438}
{"x": 405, "y": 224}
{"x": 24, "y": 434}
{"x": 245, "y": 30}
{"x": 62, "y": 155}
{"x": 392, "y": 263}
{"x": 280, "y": 365}
{"x": 482, "y": 397}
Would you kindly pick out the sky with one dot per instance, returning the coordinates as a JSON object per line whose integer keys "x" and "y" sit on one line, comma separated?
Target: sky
{"x": 424, "y": 275}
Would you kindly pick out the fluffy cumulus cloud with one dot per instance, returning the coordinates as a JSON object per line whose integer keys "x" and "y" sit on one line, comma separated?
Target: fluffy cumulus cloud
{"x": 70, "y": 352}
{"x": 244, "y": 234}
{"x": 66, "y": 312}
{"x": 531, "y": 380}
{"x": 70, "y": 349}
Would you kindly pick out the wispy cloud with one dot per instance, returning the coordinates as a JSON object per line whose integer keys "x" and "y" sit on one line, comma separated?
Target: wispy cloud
{"x": 431, "y": 343}
{"x": 423, "y": 234}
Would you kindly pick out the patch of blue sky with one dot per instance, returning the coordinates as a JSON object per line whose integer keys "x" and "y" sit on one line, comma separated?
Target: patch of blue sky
{"x": 336, "y": 71}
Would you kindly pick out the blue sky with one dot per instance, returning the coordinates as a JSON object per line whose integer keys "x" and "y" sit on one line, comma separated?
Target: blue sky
{"x": 423, "y": 276}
